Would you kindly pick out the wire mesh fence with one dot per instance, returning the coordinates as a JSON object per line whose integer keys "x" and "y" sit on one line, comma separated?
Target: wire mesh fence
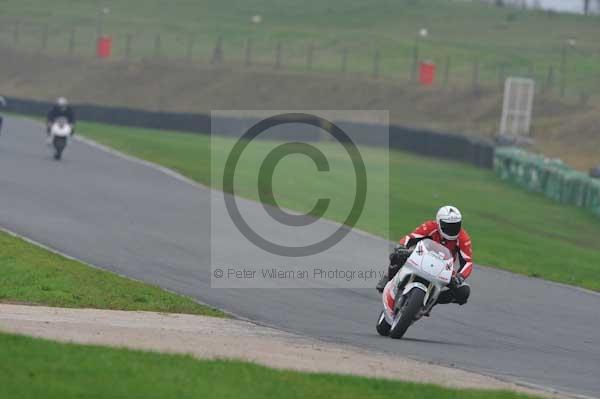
{"x": 565, "y": 71}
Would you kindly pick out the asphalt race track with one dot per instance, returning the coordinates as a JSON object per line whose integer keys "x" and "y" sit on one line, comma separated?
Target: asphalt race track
{"x": 137, "y": 221}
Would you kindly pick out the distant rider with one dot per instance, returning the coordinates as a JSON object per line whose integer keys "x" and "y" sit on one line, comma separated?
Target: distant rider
{"x": 2, "y": 104}
{"x": 61, "y": 109}
{"x": 446, "y": 230}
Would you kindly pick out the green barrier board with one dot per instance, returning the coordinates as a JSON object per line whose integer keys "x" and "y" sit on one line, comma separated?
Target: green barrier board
{"x": 548, "y": 176}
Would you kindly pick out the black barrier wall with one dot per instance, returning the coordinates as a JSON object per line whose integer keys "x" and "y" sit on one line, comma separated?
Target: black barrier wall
{"x": 420, "y": 141}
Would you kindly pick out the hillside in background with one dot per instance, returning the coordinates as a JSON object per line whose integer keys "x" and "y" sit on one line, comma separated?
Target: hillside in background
{"x": 468, "y": 40}
{"x": 562, "y": 129}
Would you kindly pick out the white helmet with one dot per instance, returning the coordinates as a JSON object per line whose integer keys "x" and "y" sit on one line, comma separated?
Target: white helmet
{"x": 449, "y": 221}
{"x": 62, "y": 102}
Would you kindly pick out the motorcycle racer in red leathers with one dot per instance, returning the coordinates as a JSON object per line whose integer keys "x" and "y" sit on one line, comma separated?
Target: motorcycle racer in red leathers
{"x": 446, "y": 230}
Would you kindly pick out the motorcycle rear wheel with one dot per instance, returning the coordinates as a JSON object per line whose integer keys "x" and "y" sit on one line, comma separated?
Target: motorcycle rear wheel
{"x": 406, "y": 315}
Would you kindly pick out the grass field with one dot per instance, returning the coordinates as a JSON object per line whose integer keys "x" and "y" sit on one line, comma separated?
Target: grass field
{"x": 39, "y": 368}
{"x": 511, "y": 229}
{"x": 503, "y": 41}
{"x": 34, "y": 275}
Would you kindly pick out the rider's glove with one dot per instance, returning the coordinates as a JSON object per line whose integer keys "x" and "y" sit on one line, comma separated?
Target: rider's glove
{"x": 456, "y": 281}
{"x": 399, "y": 256}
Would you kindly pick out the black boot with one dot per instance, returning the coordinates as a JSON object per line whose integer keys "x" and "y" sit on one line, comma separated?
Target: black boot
{"x": 382, "y": 283}
{"x": 457, "y": 295}
{"x": 392, "y": 270}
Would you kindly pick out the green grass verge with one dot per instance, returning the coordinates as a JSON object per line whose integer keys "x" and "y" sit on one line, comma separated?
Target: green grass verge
{"x": 34, "y": 275}
{"x": 503, "y": 40}
{"x": 511, "y": 229}
{"x": 39, "y": 368}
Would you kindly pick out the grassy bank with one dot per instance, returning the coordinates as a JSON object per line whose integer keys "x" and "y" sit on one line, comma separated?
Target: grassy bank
{"x": 40, "y": 368}
{"x": 34, "y": 275}
{"x": 511, "y": 229}
{"x": 503, "y": 40}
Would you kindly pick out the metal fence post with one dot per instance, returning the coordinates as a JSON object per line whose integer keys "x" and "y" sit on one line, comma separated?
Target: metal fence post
{"x": 248, "y": 55}
{"x": 16, "y": 33}
{"x": 217, "y": 56}
{"x": 344, "y": 66}
{"x": 72, "y": 42}
{"x": 376, "y": 62}
{"x": 501, "y": 75}
{"x": 549, "y": 83}
{"x": 476, "y": 75}
{"x": 190, "y": 48}
{"x": 157, "y": 46}
{"x": 447, "y": 70}
{"x": 278, "y": 54}
{"x": 128, "y": 41}
{"x": 563, "y": 71}
{"x": 309, "y": 56}
{"x": 45, "y": 33}
{"x": 415, "y": 61}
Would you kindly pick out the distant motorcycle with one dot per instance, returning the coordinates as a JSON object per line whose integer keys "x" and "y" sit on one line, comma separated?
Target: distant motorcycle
{"x": 2, "y": 104}
{"x": 415, "y": 288}
{"x": 60, "y": 131}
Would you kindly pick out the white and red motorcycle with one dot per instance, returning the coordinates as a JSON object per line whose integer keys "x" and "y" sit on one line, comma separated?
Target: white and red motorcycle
{"x": 415, "y": 288}
{"x": 60, "y": 131}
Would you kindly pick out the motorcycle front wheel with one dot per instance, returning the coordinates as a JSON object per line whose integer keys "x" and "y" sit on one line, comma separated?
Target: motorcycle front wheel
{"x": 59, "y": 145}
{"x": 383, "y": 327}
{"x": 406, "y": 315}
